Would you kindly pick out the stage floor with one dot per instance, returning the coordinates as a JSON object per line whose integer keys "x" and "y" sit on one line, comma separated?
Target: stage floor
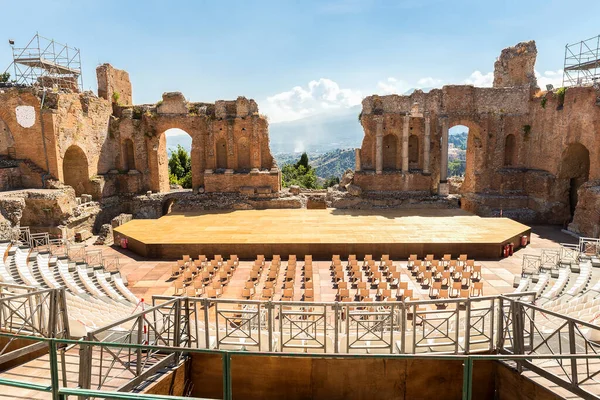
{"x": 321, "y": 233}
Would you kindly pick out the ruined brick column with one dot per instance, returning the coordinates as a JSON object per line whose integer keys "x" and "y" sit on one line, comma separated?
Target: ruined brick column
{"x": 443, "y": 187}
{"x": 379, "y": 145}
{"x": 357, "y": 160}
{"x": 444, "y": 145}
{"x": 426, "y": 145}
{"x": 405, "y": 143}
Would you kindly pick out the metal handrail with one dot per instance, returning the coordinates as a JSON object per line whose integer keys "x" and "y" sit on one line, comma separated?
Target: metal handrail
{"x": 57, "y": 391}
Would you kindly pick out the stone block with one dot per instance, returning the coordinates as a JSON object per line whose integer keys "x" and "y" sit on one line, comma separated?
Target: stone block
{"x": 444, "y": 189}
{"x": 120, "y": 220}
{"x": 247, "y": 190}
{"x": 83, "y": 235}
{"x": 295, "y": 190}
{"x": 354, "y": 190}
{"x": 263, "y": 190}
{"x": 172, "y": 103}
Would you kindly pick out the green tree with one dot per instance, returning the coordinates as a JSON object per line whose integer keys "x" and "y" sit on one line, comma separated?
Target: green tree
{"x": 180, "y": 168}
{"x": 4, "y": 77}
{"x": 300, "y": 174}
{"x": 303, "y": 161}
{"x": 331, "y": 181}
{"x": 456, "y": 168}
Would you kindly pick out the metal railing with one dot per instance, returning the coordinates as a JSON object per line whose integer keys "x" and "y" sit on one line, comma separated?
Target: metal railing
{"x": 589, "y": 246}
{"x": 132, "y": 349}
{"x": 59, "y": 390}
{"x": 461, "y": 325}
{"x": 162, "y": 325}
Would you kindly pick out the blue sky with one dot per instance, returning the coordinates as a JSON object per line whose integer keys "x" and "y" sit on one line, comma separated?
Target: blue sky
{"x": 272, "y": 50}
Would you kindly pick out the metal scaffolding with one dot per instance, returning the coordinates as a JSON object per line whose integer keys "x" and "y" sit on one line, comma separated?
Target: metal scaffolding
{"x": 46, "y": 63}
{"x": 582, "y": 63}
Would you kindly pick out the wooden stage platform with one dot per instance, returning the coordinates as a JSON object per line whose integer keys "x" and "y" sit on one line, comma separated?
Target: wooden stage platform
{"x": 321, "y": 233}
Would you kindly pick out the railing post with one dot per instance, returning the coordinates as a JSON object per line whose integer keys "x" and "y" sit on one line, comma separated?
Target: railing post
{"x": 467, "y": 378}
{"x": 54, "y": 369}
{"x": 85, "y": 366}
{"x": 177, "y": 323}
{"x": 227, "y": 395}
{"x": 517, "y": 332}
{"x": 573, "y": 351}
{"x": 468, "y": 325}
{"x": 336, "y": 335}
{"x": 492, "y": 316}
{"x": 205, "y": 307}
{"x": 457, "y": 327}
{"x": 403, "y": 331}
{"x": 270, "y": 324}
{"x": 138, "y": 351}
{"x": 500, "y": 337}
{"x": 52, "y": 311}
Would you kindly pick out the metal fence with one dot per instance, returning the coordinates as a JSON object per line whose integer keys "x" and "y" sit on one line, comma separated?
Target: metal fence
{"x": 122, "y": 355}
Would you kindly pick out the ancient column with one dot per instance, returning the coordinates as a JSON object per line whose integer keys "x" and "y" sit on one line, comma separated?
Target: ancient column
{"x": 426, "y": 144}
{"x": 379, "y": 145}
{"x": 405, "y": 143}
{"x": 357, "y": 160}
{"x": 444, "y": 152}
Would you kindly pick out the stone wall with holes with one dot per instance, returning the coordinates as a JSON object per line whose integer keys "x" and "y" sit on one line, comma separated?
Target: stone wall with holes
{"x": 10, "y": 178}
{"x": 114, "y": 85}
{"x": 230, "y": 143}
{"x": 524, "y": 147}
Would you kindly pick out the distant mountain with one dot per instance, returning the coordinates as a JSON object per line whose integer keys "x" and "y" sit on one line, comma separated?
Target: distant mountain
{"x": 332, "y": 163}
{"x": 318, "y": 133}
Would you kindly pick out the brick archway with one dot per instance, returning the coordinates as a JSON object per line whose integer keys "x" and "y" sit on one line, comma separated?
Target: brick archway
{"x": 75, "y": 169}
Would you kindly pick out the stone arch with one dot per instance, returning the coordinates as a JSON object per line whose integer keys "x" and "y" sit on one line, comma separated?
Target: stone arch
{"x": 413, "y": 152}
{"x": 243, "y": 154}
{"x": 158, "y": 153}
{"x": 367, "y": 153}
{"x": 128, "y": 155}
{"x": 475, "y": 152}
{"x": 390, "y": 150}
{"x": 510, "y": 151}
{"x": 574, "y": 172}
{"x": 75, "y": 169}
{"x": 167, "y": 206}
{"x": 221, "y": 154}
{"x": 6, "y": 138}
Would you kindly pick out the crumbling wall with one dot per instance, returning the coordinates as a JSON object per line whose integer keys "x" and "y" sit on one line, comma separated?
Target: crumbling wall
{"x": 520, "y": 161}
{"x": 515, "y": 67}
{"x": 114, "y": 85}
{"x": 230, "y": 143}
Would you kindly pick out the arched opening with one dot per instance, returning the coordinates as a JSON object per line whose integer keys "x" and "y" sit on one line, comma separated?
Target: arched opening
{"x": 390, "y": 148}
{"x": 128, "y": 155}
{"x": 221, "y": 154}
{"x": 75, "y": 169}
{"x": 413, "y": 152}
{"x": 458, "y": 137}
{"x": 367, "y": 153}
{"x": 510, "y": 152}
{"x": 178, "y": 165}
{"x": 167, "y": 206}
{"x": 6, "y": 138}
{"x": 243, "y": 152}
{"x": 575, "y": 170}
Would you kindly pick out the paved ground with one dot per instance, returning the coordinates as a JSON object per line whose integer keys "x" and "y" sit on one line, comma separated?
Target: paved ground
{"x": 151, "y": 277}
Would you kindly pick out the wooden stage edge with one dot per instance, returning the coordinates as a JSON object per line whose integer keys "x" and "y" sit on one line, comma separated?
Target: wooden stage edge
{"x": 481, "y": 238}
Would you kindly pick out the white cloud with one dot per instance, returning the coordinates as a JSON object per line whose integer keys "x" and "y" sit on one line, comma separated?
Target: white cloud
{"x": 318, "y": 96}
{"x": 480, "y": 80}
{"x": 549, "y": 78}
{"x": 175, "y": 132}
{"x": 429, "y": 82}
